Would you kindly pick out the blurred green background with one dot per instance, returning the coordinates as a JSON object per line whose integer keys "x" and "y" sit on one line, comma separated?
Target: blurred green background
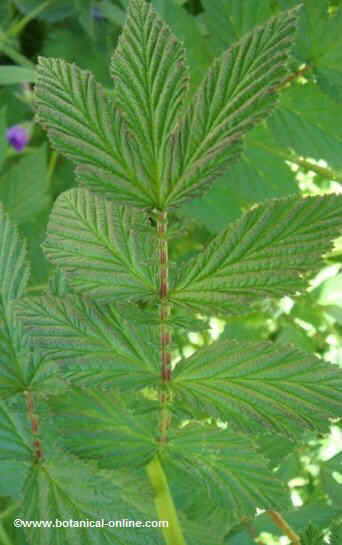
{"x": 298, "y": 150}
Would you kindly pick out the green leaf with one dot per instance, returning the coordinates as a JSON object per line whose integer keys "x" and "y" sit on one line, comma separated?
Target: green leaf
{"x": 188, "y": 29}
{"x": 312, "y": 536}
{"x": 234, "y": 474}
{"x": 305, "y": 125}
{"x": 10, "y": 75}
{"x": 239, "y": 91}
{"x": 260, "y": 384}
{"x": 319, "y": 513}
{"x": 52, "y": 13}
{"x": 258, "y": 176}
{"x": 16, "y": 450}
{"x": 319, "y": 45}
{"x": 22, "y": 368}
{"x": 114, "y": 255}
{"x": 150, "y": 81}
{"x": 63, "y": 488}
{"x": 14, "y": 269}
{"x": 69, "y": 42}
{"x": 3, "y": 141}
{"x": 268, "y": 252}
{"x": 99, "y": 426}
{"x": 113, "y": 12}
{"x": 336, "y": 534}
{"x": 276, "y": 449}
{"x": 229, "y": 21}
{"x": 84, "y": 125}
{"x": 77, "y": 333}
{"x": 24, "y": 189}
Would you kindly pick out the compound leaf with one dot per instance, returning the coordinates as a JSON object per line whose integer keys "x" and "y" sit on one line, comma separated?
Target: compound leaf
{"x": 14, "y": 268}
{"x": 234, "y": 474}
{"x": 107, "y": 250}
{"x": 312, "y": 536}
{"x": 268, "y": 252}
{"x": 16, "y": 450}
{"x": 98, "y": 426}
{"x": 264, "y": 384}
{"x": 150, "y": 78}
{"x": 83, "y": 124}
{"x": 239, "y": 91}
{"x": 63, "y": 488}
{"x": 21, "y": 368}
{"x": 24, "y": 187}
{"x": 78, "y": 333}
{"x": 226, "y": 22}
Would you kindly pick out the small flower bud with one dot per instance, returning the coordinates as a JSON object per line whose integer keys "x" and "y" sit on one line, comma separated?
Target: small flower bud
{"x": 17, "y": 137}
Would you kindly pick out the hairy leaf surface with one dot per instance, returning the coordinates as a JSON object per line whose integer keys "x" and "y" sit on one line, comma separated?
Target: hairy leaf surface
{"x": 99, "y": 426}
{"x": 235, "y": 475}
{"x": 62, "y": 487}
{"x": 76, "y": 332}
{"x": 20, "y": 367}
{"x": 150, "y": 81}
{"x": 14, "y": 268}
{"x": 16, "y": 450}
{"x": 107, "y": 250}
{"x": 83, "y": 124}
{"x": 262, "y": 384}
{"x": 268, "y": 252}
{"x": 229, "y": 21}
{"x": 239, "y": 91}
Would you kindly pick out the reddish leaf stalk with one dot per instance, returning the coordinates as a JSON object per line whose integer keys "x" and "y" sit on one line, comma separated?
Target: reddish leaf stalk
{"x": 286, "y": 529}
{"x": 37, "y": 445}
{"x": 165, "y": 332}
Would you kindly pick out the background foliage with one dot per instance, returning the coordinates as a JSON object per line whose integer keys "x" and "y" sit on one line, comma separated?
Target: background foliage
{"x": 298, "y": 150}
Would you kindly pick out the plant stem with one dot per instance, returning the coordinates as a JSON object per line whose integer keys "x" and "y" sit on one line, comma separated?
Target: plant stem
{"x": 325, "y": 172}
{"x": 4, "y": 539}
{"x": 284, "y": 527}
{"x": 15, "y": 56}
{"x": 52, "y": 165}
{"x": 18, "y": 27}
{"x": 164, "y": 504}
{"x": 38, "y": 451}
{"x": 165, "y": 332}
{"x": 166, "y": 509}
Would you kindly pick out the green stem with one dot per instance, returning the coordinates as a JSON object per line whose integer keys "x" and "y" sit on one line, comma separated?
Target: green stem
{"x": 10, "y": 510}
{"x": 166, "y": 509}
{"x": 16, "y": 28}
{"x": 52, "y": 165}
{"x": 4, "y": 539}
{"x": 15, "y": 56}
{"x": 304, "y": 163}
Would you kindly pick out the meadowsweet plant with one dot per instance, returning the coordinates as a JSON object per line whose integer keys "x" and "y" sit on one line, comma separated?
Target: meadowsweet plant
{"x": 103, "y": 424}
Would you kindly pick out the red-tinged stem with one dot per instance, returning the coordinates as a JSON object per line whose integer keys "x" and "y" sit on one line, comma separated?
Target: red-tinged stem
{"x": 165, "y": 332}
{"x": 281, "y": 523}
{"x": 37, "y": 445}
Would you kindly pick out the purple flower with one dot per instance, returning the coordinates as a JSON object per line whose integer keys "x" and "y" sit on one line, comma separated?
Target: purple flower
{"x": 17, "y": 137}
